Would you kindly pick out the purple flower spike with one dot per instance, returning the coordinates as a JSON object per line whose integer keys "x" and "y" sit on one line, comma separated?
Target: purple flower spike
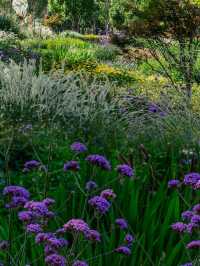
{"x": 179, "y": 227}
{"x": 193, "y": 244}
{"x": 174, "y": 183}
{"x": 71, "y": 165}
{"x": 100, "y": 204}
{"x": 123, "y": 250}
{"x": 99, "y": 161}
{"x": 55, "y": 260}
{"x": 122, "y": 223}
{"x": 187, "y": 264}
{"x": 125, "y": 170}
{"x": 80, "y": 263}
{"x": 78, "y": 147}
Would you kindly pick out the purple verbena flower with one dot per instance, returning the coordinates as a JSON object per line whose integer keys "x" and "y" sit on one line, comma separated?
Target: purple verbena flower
{"x": 129, "y": 239}
{"x": 43, "y": 237}
{"x": 48, "y": 202}
{"x": 196, "y": 208}
{"x": 80, "y": 263}
{"x": 174, "y": 183}
{"x": 76, "y": 225}
{"x": 16, "y": 202}
{"x": 90, "y": 185}
{"x": 26, "y": 216}
{"x": 125, "y": 170}
{"x": 195, "y": 219}
{"x": 193, "y": 244}
{"x": 93, "y": 235}
{"x": 197, "y": 185}
{"x": 49, "y": 250}
{"x": 38, "y": 207}
{"x": 71, "y": 165}
{"x": 191, "y": 179}
{"x": 123, "y": 250}
{"x": 187, "y": 215}
{"x": 191, "y": 227}
{"x": 57, "y": 243}
{"x": 179, "y": 227}
{"x": 122, "y": 223}
{"x": 99, "y": 161}
{"x": 108, "y": 194}
{"x": 55, "y": 260}
{"x": 16, "y": 191}
{"x": 100, "y": 204}
{"x": 34, "y": 228}
{"x": 29, "y": 165}
{"x": 78, "y": 147}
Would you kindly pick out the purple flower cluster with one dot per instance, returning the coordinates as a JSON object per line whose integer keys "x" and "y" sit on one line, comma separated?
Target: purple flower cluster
{"x": 80, "y": 226}
{"x": 191, "y": 225}
{"x": 55, "y": 260}
{"x": 125, "y": 170}
{"x": 192, "y": 179}
{"x": 174, "y": 183}
{"x": 78, "y": 147}
{"x": 18, "y": 196}
{"x": 77, "y": 226}
{"x": 122, "y": 223}
{"x": 80, "y": 263}
{"x": 125, "y": 248}
{"x": 108, "y": 194}
{"x": 90, "y": 185}
{"x": 100, "y": 204}
{"x": 99, "y": 161}
{"x": 71, "y": 165}
{"x": 30, "y": 165}
{"x": 36, "y": 214}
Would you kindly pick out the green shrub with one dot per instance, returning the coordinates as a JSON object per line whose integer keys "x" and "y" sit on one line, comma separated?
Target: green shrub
{"x": 7, "y": 24}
